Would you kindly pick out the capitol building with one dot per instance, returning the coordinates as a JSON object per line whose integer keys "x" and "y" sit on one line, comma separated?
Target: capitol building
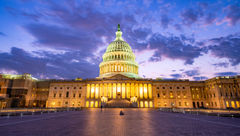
{"x": 119, "y": 85}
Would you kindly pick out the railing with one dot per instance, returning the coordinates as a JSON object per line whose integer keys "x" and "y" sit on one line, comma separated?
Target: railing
{"x": 208, "y": 112}
{"x": 32, "y": 111}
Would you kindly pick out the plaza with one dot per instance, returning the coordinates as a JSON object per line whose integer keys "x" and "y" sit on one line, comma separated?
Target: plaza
{"x": 134, "y": 122}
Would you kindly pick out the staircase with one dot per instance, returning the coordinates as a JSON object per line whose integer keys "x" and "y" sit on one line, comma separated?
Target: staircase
{"x": 118, "y": 103}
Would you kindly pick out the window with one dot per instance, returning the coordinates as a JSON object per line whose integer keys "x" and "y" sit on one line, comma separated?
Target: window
{"x": 79, "y": 95}
{"x": 80, "y": 87}
{"x": 67, "y": 94}
{"x": 54, "y": 95}
{"x": 157, "y": 87}
{"x": 177, "y": 87}
{"x": 55, "y": 87}
{"x": 66, "y": 103}
{"x": 171, "y": 94}
{"x": 183, "y": 87}
{"x": 185, "y": 103}
{"x": 74, "y": 88}
{"x": 158, "y": 95}
{"x": 67, "y": 87}
{"x": 74, "y": 95}
{"x": 170, "y": 87}
{"x": 163, "y": 87}
{"x": 179, "y": 104}
{"x": 60, "y": 87}
{"x": 159, "y": 104}
{"x": 60, "y": 95}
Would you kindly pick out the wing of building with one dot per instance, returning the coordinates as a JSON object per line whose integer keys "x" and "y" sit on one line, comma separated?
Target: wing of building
{"x": 119, "y": 85}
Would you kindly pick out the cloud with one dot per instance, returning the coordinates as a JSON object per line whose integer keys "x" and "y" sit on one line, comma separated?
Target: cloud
{"x": 175, "y": 48}
{"x": 176, "y": 76}
{"x": 233, "y": 14}
{"x": 201, "y": 14}
{"x": 78, "y": 25}
{"x": 63, "y": 38}
{"x": 165, "y": 21}
{"x": 15, "y": 12}
{"x": 226, "y": 47}
{"x": 226, "y": 74}
{"x": 221, "y": 64}
{"x": 2, "y": 34}
{"x": 200, "y": 78}
{"x": 191, "y": 73}
{"x": 190, "y": 16}
{"x": 49, "y": 65}
{"x": 139, "y": 33}
{"x": 178, "y": 27}
{"x": 210, "y": 18}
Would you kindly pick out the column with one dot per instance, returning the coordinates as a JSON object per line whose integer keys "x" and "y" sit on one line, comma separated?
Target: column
{"x": 96, "y": 91}
{"x": 141, "y": 91}
{"x": 105, "y": 90}
{"x": 101, "y": 90}
{"x": 136, "y": 90}
{"x": 123, "y": 91}
{"x": 119, "y": 88}
{"x": 132, "y": 90}
{"x": 110, "y": 90}
{"x": 150, "y": 91}
{"x": 88, "y": 90}
{"x": 128, "y": 90}
{"x": 114, "y": 90}
{"x": 92, "y": 90}
{"x": 145, "y": 91}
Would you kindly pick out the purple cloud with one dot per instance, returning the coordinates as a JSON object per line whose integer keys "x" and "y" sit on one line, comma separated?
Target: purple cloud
{"x": 2, "y": 34}
{"x": 190, "y": 16}
{"x": 226, "y": 74}
{"x": 191, "y": 73}
{"x": 233, "y": 14}
{"x": 49, "y": 65}
{"x": 165, "y": 21}
{"x": 200, "y": 78}
{"x": 176, "y": 76}
{"x": 63, "y": 38}
{"x": 175, "y": 48}
{"x": 226, "y": 47}
{"x": 221, "y": 64}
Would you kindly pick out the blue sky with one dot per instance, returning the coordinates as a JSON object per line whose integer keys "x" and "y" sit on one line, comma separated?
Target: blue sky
{"x": 65, "y": 39}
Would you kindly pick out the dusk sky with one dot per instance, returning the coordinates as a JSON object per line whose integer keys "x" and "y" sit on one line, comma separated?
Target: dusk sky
{"x": 180, "y": 39}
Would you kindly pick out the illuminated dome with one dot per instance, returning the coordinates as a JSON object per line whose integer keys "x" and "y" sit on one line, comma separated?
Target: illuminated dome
{"x": 118, "y": 59}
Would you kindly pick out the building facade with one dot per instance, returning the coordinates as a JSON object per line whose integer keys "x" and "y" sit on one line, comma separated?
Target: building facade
{"x": 119, "y": 85}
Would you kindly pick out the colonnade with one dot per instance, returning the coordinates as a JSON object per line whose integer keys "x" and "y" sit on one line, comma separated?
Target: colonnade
{"x": 232, "y": 104}
{"x": 118, "y": 57}
{"x": 126, "y": 90}
{"x": 119, "y": 68}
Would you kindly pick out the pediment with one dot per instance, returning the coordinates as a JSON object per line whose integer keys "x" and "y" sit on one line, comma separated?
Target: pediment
{"x": 120, "y": 77}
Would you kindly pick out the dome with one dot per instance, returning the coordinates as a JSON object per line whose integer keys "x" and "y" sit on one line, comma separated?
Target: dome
{"x": 118, "y": 59}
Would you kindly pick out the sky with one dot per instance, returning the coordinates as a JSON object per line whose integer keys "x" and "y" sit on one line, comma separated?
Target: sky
{"x": 172, "y": 39}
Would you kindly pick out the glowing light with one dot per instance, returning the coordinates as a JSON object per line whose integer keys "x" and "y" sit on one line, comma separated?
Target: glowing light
{"x": 133, "y": 99}
{"x": 146, "y": 104}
